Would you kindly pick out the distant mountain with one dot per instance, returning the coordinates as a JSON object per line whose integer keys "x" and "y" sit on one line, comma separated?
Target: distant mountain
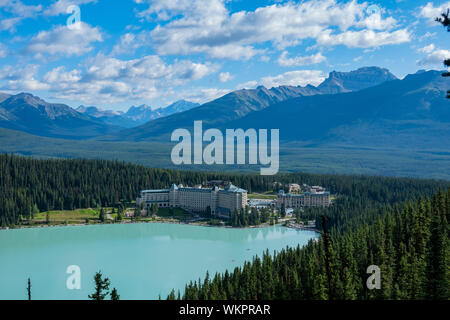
{"x": 4, "y": 96}
{"x": 97, "y": 113}
{"x": 238, "y": 104}
{"x": 339, "y": 82}
{"x": 176, "y": 107}
{"x": 408, "y": 113}
{"x": 109, "y": 117}
{"x": 144, "y": 113}
{"x": 227, "y": 108}
{"x": 140, "y": 114}
{"x": 135, "y": 116}
{"x": 31, "y": 114}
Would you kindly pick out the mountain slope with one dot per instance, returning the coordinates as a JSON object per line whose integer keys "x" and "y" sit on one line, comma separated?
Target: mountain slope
{"x": 4, "y": 96}
{"x": 412, "y": 112}
{"x": 144, "y": 113}
{"x": 363, "y": 78}
{"x": 176, "y": 107}
{"x": 109, "y": 117}
{"x": 227, "y": 108}
{"x": 241, "y": 103}
{"x": 135, "y": 116}
{"x": 31, "y": 114}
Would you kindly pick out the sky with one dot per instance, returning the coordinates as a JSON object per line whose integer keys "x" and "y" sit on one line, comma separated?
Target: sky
{"x": 114, "y": 54}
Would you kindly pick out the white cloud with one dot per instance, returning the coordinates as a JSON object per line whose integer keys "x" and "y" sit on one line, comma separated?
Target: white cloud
{"x": 364, "y": 38}
{"x": 64, "y": 40}
{"x": 18, "y": 11}
{"x": 111, "y": 80}
{"x": 434, "y": 57}
{"x": 291, "y": 78}
{"x": 284, "y": 61}
{"x": 60, "y": 6}
{"x": 427, "y": 49}
{"x": 208, "y": 27}
{"x": 202, "y": 95}
{"x": 127, "y": 44}
{"x": 430, "y": 12}
{"x": 225, "y": 76}
{"x": 427, "y": 35}
{"x": 20, "y": 79}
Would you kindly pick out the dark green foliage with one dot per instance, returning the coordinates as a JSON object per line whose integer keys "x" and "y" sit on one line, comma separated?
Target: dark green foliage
{"x": 29, "y": 185}
{"x": 101, "y": 287}
{"x": 114, "y": 294}
{"x": 29, "y": 289}
{"x": 411, "y": 247}
{"x": 102, "y": 215}
{"x": 445, "y": 21}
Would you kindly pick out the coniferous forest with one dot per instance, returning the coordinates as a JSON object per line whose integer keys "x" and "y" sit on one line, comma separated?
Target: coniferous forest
{"x": 410, "y": 246}
{"x": 398, "y": 224}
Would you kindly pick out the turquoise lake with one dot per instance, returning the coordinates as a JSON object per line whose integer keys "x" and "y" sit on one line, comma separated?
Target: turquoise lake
{"x": 142, "y": 260}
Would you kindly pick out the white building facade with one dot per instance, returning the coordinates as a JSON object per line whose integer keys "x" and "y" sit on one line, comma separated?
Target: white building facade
{"x": 307, "y": 199}
{"x": 222, "y": 202}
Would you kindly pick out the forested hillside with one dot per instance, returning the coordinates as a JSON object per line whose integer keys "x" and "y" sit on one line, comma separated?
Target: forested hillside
{"x": 411, "y": 247}
{"x": 374, "y": 220}
{"x": 29, "y": 185}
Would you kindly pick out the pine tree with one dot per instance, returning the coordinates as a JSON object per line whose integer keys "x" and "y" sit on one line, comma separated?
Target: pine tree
{"x": 114, "y": 294}
{"x": 102, "y": 215}
{"x": 445, "y": 21}
{"x": 29, "y": 289}
{"x": 101, "y": 287}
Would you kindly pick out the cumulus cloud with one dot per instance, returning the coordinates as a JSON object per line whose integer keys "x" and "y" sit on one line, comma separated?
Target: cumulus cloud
{"x": 225, "y": 76}
{"x": 17, "y": 11}
{"x": 208, "y": 27}
{"x": 430, "y": 12}
{"x": 364, "y": 38}
{"x": 434, "y": 56}
{"x": 20, "y": 79}
{"x": 60, "y": 6}
{"x": 284, "y": 61}
{"x": 291, "y": 78}
{"x": 201, "y": 95}
{"x": 109, "y": 79}
{"x": 427, "y": 49}
{"x": 64, "y": 40}
{"x": 128, "y": 43}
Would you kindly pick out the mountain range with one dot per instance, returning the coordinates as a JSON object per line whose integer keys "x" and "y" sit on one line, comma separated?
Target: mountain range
{"x": 241, "y": 103}
{"x": 135, "y": 116}
{"x": 408, "y": 113}
{"x": 28, "y": 113}
{"x": 363, "y": 121}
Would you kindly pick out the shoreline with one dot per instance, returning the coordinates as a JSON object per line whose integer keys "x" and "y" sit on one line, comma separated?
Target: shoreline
{"x": 265, "y": 225}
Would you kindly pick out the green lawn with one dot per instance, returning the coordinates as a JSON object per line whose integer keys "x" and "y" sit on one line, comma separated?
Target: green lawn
{"x": 63, "y": 215}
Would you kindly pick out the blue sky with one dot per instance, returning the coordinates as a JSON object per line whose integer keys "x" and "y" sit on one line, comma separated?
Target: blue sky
{"x": 130, "y": 52}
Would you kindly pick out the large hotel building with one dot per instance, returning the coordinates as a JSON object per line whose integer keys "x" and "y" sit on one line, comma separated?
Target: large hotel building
{"x": 222, "y": 202}
{"x": 314, "y": 197}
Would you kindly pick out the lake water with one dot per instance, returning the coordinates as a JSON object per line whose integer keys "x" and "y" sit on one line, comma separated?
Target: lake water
{"x": 142, "y": 260}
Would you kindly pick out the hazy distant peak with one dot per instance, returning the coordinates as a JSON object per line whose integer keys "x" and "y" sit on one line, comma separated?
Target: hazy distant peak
{"x": 338, "y": 82}
{"x": 4, "y": 96}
